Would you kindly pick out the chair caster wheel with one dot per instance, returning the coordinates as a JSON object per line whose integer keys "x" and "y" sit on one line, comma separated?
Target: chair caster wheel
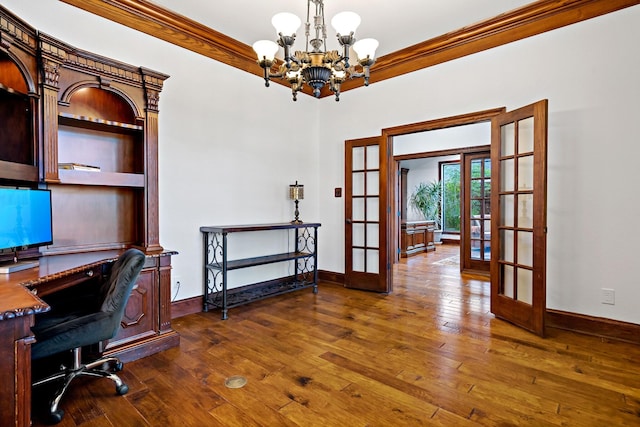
{"x": 118, "y": 366}
{"x": 123, "y": 389}
{"x": 55, "y": 417}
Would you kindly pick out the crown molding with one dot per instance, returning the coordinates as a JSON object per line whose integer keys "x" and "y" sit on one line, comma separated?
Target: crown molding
{"x": 535, "y": 18}
{"x": 174, "y": 28}
{"x": 532, "y": 19}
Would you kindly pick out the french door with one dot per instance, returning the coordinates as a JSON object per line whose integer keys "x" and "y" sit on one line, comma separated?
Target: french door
{"x": 518, "y": 216}
{"x": 366, "y": 206}
{"x": 476, "y": 217}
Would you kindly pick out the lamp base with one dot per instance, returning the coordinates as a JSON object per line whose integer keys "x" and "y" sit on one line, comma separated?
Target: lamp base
{"x": 296, "y": 213}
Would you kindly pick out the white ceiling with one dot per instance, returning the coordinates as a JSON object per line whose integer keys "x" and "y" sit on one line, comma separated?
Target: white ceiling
{"x": 396, "y": 24}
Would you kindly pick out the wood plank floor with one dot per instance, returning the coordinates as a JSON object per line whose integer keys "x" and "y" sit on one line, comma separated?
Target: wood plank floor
{"x": 428, "y": 354}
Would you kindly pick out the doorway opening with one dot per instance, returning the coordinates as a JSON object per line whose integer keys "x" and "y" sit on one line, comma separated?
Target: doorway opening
{"x": 434, "y": 153}
{"x": 517, "y": 246}
{"x": 372, "y": 227}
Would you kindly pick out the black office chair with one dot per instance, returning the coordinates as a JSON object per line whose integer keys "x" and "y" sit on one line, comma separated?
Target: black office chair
{"x": 77, "y": 321}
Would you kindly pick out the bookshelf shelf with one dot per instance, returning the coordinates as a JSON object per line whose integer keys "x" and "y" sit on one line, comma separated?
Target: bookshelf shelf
{"x": 87, "y": 122}
{"x": 112, "y": 179}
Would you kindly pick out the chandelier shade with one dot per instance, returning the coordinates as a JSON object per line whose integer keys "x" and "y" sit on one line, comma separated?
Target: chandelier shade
{"x": 286, "y": 23}
{"x": 266, "y": 49}
{"x": 316, "y": 66}
{"x": 365, "y": 48}
{"x": 346, "y": 22}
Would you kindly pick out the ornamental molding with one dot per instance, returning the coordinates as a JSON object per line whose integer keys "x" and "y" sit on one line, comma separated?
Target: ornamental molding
{"x": 21, "y": 312}
{"x": 51, "y": 73}
{"x": 19, "y": 32}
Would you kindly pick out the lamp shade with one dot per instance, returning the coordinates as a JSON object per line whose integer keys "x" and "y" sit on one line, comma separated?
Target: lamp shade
{"x": 345, "y": 22}
{"x": 265, "y": 49}
{"x": 286, "y": 23}
{"x": 366, "y": 48}
{"x": 296, "y": 191}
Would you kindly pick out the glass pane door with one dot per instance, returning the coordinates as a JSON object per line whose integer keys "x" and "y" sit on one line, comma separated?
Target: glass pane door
{"x": 365, "y": 204}
{"x": 476, "y": 239}
{"x": 365, "y": 216}
{"x": 518, "y": 267}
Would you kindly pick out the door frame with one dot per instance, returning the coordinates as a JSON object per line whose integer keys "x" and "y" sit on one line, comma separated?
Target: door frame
{"x": 393, "y": 221}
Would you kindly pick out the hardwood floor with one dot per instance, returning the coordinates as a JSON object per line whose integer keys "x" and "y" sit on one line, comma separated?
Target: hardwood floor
{"x": 428, "y": 354}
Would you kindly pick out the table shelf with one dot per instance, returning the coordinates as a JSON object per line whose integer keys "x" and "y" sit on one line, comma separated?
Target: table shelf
{"x": 261, "y": 260}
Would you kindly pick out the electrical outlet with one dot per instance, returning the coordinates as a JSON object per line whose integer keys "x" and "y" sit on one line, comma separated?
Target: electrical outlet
{"x": 608, "y": 296}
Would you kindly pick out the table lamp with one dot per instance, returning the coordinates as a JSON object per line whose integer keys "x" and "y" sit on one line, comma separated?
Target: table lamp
{"x": 296, "y": 192}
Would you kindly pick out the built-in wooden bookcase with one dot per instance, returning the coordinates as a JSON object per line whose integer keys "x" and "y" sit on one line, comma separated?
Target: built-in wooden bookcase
{"x": 59, "y": 104}
{"x": 19, "y": 104}
{"x": 101, "y": 116}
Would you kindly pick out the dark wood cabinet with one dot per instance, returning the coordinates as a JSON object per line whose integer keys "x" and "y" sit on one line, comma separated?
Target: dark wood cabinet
{"x": 19, "y": 100}
{"x": 138, "y": 318}
{"x": 416, "y": 237}
{"x": 15, "y": 354}
{"x": 62, "y": 105}
{"x": 100, "y": 146}
{"x": 19, "y": 106}
{"x": 102, "y": 116}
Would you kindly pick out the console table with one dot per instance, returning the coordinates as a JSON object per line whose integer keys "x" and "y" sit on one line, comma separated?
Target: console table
{"x": 416, "y": 237}
{"x": 216, "y": 265}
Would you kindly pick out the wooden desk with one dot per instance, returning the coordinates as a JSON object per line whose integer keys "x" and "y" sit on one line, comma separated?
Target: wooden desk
{"x": 146, "y": 328}
{"x": 18, "y": 307}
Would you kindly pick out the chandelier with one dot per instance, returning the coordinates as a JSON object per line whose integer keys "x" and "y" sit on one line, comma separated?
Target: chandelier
{"x": 316, "y": 67}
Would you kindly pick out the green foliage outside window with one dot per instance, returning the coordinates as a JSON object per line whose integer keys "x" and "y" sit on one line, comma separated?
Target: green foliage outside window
{"x": 451, "y": 197}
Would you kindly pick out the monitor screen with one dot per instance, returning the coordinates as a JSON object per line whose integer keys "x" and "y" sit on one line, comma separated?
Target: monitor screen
{"x": 25, "y": 218}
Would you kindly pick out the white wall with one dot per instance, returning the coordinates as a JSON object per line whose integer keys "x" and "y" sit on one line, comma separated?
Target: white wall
{"x": 588, "y": 72}
{"x": 426, "y": 171}
{"x": 227, "y": 155}
{"x": 470, "y": 135}
{"x": 229, "y": 147}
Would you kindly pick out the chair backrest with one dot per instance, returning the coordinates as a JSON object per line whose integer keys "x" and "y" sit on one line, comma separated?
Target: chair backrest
{"x": 122, "y": 278}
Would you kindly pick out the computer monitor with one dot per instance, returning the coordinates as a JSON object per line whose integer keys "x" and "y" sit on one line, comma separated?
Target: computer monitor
{"x": 25, "y": 220}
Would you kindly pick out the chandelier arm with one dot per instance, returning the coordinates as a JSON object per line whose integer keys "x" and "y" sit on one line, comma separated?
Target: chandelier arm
{"x": 345, "y": 56}
{"x": 295, "y": 87}
{"x": 335, "y": 88}
{"x": 267, "y": 74}
{"x": 346, "y": 42}
{"x": 365, "y": 73}
{"x": 286, "y": 42}
{"x": 275, "y": 75}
